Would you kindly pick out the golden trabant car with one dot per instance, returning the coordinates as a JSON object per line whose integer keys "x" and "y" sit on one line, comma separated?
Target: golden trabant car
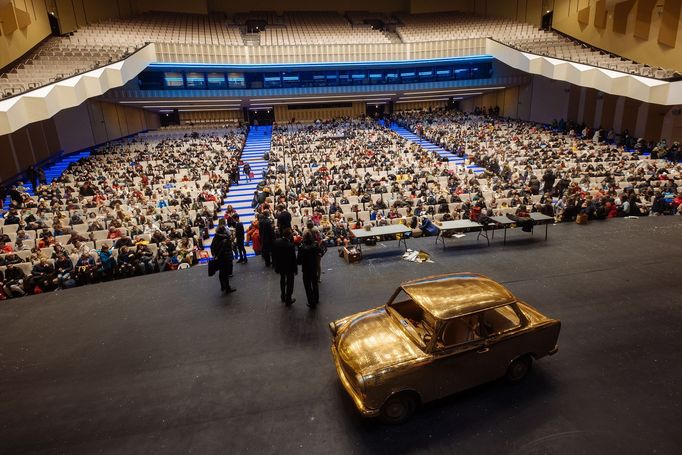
{"x": 436, "y": 336}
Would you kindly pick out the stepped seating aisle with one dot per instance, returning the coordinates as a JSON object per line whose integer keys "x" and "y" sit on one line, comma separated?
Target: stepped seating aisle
{"x": 53, "y": 171}
{"x": 240, "y": 196}
{"x": 410, "y": 136}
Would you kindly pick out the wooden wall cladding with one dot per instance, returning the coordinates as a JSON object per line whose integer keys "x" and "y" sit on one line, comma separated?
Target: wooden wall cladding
{"x": 600, "y": 14}
{"x": 9, "y": 166}
{"x": 38, "y": 141}
{"x": 667, "y": 34}
{"x": 620, "y": 16}
{"x": 584, "y": 15}
{"x": 22, "y": 148}
{"x": 645, "y": 9}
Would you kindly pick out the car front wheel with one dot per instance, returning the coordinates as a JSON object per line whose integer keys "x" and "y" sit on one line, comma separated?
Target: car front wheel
{"x": 399, "y": 408}
{"x": 519, "y": 368}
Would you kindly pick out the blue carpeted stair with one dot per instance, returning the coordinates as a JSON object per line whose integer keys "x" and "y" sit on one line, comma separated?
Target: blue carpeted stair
{"x": 410, "y": 136}
{"x": 240, "y": 196}
{"x": 54, "y": 171}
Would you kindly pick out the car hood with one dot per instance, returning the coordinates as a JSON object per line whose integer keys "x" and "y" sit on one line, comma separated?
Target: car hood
{"x": 372, "y": 340}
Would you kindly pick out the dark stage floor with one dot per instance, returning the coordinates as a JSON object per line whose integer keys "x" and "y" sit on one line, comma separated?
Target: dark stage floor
{"x": 166, "y": 364}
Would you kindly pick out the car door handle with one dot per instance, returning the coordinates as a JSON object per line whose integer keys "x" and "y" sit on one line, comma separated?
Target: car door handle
{"x": 483, "y": 350}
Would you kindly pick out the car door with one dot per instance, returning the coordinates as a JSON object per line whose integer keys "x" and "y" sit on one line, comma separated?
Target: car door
{"x": 459, "y": 357}
{"x": 505, "y": 338}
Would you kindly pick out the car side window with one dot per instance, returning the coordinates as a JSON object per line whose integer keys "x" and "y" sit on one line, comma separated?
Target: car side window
{"x": 499, "y": 320}
{"x": 459, "y": 331}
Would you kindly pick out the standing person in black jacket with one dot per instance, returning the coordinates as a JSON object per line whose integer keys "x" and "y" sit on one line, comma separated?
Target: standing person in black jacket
{"x": 267, "y": 236}
{"x": 239, "y": 238}
{"x": 284, "y": 253}
{"x": 308, "y": 253}
{"x": 221, "y": 249}
{"x": 283, "y": 218}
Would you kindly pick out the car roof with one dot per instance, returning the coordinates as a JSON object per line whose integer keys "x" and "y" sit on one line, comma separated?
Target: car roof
{"x": 455, "y": 294}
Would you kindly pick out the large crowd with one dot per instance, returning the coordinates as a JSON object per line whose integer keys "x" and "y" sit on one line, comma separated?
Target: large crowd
{"x": 342, "y": 174}
{"x": 148, "y": 204}
{"x": 568, "y": 174}
{"x": 134, "y": 207}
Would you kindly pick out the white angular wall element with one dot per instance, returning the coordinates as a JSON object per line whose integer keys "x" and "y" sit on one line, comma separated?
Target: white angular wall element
{"x": 640, "y": 88}
{"x": 44, "y": 102}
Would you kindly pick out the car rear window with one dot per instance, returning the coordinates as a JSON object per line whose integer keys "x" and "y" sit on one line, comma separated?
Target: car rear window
{"x": 499, "y": 320}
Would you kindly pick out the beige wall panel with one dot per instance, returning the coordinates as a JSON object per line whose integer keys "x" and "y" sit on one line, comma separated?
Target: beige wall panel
{"x": 654, "y": 121}
{"x": 510, "y": 105}
{"x": 122, "y": 120}
{"x": 608, "y": 111}
{"x": 643, "y": 14}
{"x": 623, "y": 41}
{"x": 524, "y": 104}
{"x": 670, "y": 22}
{"x": 621, "y": 16}
{"x": 533, "y": 12}
{"x": 600, "y": 14}
{"x": 284, "y": 114}
{"x": 425, "y": 105}
{"x": 50, "y": 130}
{"x": 630, "y": 115}
{"x": 22, "y": 40}
{"x": 549, "y": 100}
{"x": 179, "y": 6}
{"x": 80, "y": 13}
{"x": 38, "y": 141}
{"x": 573, "y": 103}
{"x": 99, "y": 129}
{"x": 110, "y": 115}
{"x": 9, "y": 167}
{"x": 314, "y": 5}
{"x": 73, "y": 128}
{"x": 97, "y": 11}
{"x": 432, "y": 6}
{"x": 135, "y": 120}
{"x": 590, "y": 107}
{"x": 22, "y": 148}
{"x": 152, "y": 120}
{"x": 66, "y": 14}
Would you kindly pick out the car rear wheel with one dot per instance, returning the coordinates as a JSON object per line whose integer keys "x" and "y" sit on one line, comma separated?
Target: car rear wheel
{"x": 519, "y": 368}
{"x": 399, "y": 408}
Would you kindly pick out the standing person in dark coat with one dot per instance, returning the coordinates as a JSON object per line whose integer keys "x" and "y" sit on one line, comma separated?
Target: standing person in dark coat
{"x": 308, "y": 253}
{"x": 239, "y": 238}
{"x": 284, "y": 253}
{"x": 221, "y": 249}
{"x": 267, "y": 236}
{"x": 283, "y": 219}
{"x": 32, "y": 176}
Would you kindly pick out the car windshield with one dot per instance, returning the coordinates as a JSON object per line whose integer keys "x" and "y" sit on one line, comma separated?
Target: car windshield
{"x": 417, "y": 323}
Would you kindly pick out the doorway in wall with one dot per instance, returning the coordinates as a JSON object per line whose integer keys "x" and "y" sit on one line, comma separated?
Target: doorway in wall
{"x": 54, "y": 24}
{"x": 264, "y": 116}
{"x": 376, "y": 111}
{"x": 547, "y": 20}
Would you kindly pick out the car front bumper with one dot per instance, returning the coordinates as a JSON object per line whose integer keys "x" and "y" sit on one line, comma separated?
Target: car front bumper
{"x": 357, "y": 399}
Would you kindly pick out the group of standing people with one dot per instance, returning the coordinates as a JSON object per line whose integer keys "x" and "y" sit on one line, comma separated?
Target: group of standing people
{"x": 279, "y": 248}
{"x": 283, "y": 251}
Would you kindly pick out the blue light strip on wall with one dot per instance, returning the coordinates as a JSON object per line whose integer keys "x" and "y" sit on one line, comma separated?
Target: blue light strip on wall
{"x": 264, "y": 66}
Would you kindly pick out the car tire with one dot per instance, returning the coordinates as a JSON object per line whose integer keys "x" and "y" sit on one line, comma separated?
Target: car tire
{"x": 518, "y": 369}
{"x": 398, "y": 408}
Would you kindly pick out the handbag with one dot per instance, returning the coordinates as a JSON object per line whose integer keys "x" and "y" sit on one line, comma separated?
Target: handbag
{"x": 212, "y": 266}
